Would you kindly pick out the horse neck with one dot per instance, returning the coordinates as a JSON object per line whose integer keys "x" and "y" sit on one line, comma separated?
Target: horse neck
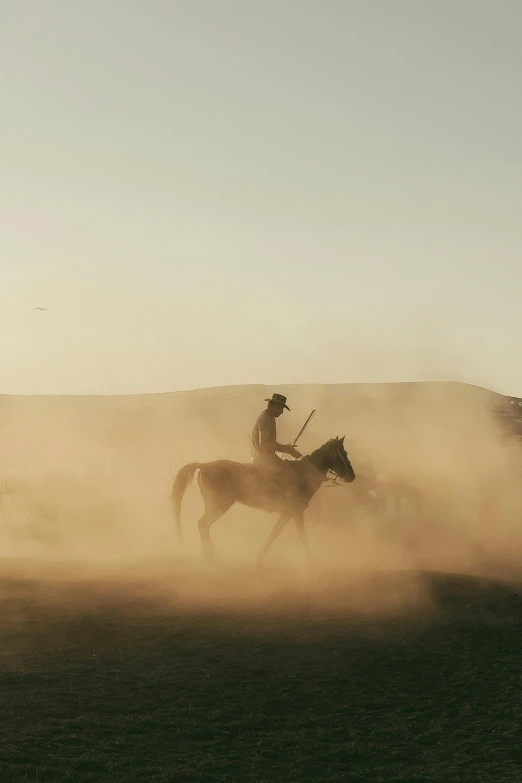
{"x": 320, "y": 459}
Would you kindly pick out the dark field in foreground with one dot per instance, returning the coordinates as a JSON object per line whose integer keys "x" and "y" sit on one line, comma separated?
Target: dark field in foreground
{"x": 101, "y": 680}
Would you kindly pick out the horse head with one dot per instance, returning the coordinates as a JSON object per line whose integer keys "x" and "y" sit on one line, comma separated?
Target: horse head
{"x": 332, "y": 458}
{"x": 341, "y": 465}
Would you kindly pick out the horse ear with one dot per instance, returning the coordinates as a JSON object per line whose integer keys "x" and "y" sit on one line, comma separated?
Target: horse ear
{"x": 342, "y": 439}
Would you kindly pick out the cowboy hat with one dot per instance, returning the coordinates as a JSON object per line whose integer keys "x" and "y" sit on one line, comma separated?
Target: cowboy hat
{"x": 278, "y": 399}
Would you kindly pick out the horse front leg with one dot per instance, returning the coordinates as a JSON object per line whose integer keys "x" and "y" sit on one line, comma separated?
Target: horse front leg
{"x": 276, "y": 531}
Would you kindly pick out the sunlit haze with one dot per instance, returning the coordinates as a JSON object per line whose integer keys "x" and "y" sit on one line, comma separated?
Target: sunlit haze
{"x": 208, "y": 193}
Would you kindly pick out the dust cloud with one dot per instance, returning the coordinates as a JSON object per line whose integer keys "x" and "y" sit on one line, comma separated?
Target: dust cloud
{"x": 85, "y": 485}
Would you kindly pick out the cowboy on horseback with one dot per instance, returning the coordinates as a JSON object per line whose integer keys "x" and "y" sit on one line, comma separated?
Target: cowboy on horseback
{"x": 279, "y": 486}
{"x": 264, "y": 436}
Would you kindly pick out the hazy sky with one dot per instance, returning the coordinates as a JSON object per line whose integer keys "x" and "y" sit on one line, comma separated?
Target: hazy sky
{"x": 259, "y": 191}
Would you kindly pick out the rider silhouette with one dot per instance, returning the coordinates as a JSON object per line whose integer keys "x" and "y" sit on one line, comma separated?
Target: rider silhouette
{"x": 264, "y": 440}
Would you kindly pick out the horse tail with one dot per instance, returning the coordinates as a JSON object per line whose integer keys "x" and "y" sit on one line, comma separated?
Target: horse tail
{"x": 183, "y": 478}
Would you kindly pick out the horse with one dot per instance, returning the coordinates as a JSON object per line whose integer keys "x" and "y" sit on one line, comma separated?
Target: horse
{"x": 287, "y": 490}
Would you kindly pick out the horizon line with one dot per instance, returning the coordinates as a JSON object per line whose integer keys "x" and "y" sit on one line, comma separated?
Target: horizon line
{"x": 224, "y": 387}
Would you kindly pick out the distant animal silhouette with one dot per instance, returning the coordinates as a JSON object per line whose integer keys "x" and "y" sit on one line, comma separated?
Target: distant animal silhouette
{"x": 41, "y": 308}
{"x": 287, "y": 491}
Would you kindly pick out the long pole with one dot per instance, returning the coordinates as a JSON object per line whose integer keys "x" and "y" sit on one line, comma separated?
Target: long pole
{"x": 305, "y": 425}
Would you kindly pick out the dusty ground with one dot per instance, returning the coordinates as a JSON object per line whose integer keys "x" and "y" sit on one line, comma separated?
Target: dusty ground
{"x": 232, "y": 675}
{"x": 377, "y": 663}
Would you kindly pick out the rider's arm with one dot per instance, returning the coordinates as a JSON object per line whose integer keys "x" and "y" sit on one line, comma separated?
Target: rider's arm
{"x": 282, "y": 449}
{"x": 291, "y": 450}
{"x": 268, "y": 442}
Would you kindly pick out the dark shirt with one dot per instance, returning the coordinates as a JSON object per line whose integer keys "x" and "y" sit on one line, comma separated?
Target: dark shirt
{"x": 264, "y": 443}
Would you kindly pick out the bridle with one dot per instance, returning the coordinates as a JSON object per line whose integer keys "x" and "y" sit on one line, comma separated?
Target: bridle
{"x": 333, "y": 480}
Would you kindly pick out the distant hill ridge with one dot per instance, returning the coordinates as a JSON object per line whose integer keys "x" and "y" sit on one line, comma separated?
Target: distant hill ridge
{"x": 231, "y": 405}
{"x": 396, "y": 387}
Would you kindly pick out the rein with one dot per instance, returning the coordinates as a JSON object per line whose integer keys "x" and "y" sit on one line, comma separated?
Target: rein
{"x": 335, "y": 479}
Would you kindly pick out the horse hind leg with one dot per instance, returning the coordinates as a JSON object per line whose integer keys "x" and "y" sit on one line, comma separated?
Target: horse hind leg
{"x": 217, "y": 503}
{"x": 207, "y": 520}
{"x": 207, "y": 547}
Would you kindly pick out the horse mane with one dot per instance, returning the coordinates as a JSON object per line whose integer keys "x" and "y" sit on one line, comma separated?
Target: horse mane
{"x": 317, "y": 456}
{"x": 323, "y": 449}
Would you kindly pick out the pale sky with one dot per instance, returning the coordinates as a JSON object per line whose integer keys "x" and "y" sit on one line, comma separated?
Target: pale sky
{"x": 212, "y": 192}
